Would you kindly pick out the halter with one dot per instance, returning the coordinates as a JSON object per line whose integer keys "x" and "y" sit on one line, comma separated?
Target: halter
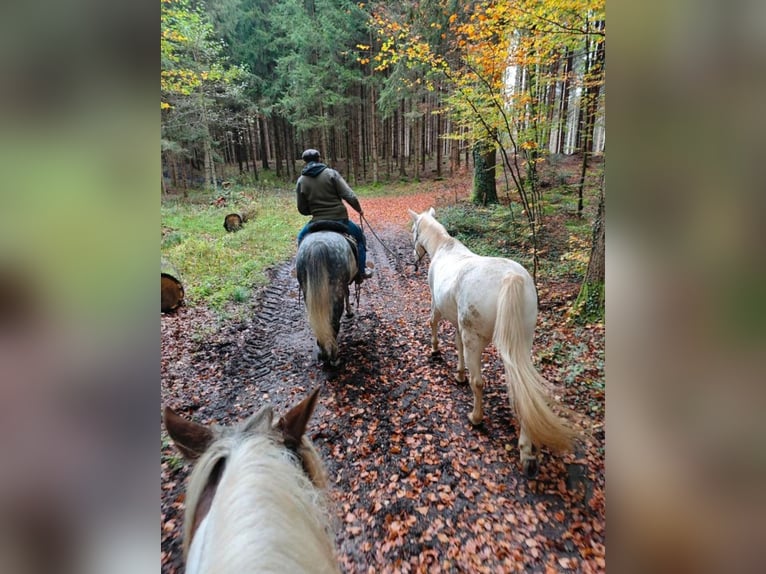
{"x": 415, "y": 245}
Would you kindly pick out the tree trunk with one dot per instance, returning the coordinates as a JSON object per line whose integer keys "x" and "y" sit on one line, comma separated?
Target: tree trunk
{"x": 264, "y": 143}
{"x": 174, "y": 170}
{"x": 363, "y": 132}
{"x": 423, "y": 123}
{"x": 563, "y": 116}
{"x": 240, "y": 151}
{"x": 438, "y": 143}
{"x": 589, "y": 306}
{"x": 250, "y": 129}
{"x": 373, "y": 138}
{"x": 210, "y": 179}
{"x": 289, "y": 150}
{"x": 402, "y": 147}
{"x": 276, "y": 125}
{"x": 593, "y": 77}
{"x": 484, "y": 162}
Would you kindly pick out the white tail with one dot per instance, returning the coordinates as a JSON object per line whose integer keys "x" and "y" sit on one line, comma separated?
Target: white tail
{"x": 319, "y": 308}
{"x": 526, "y": 387}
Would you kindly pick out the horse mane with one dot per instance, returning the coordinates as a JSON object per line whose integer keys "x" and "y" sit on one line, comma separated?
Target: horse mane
{"x": 432, "y": 234}
{"x": 270, "y": 511}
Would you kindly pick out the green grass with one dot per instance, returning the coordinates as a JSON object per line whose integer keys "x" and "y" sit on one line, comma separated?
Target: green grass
{"x": 216, "y": 267}
{"x": 493, "y": 232}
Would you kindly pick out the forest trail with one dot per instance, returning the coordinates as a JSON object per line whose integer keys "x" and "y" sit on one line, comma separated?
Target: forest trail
{"x": 414, "y": 487}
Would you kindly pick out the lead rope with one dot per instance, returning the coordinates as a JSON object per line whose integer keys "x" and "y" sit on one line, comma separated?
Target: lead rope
{"x": 362, "y": 222}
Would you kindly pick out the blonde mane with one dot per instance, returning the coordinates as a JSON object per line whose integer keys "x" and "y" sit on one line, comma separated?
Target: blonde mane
{"x": 269, "y": 512}
{"x": 432, "y": 234}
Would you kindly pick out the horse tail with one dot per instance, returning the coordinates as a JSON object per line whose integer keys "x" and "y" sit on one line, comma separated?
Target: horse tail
{"x": 316, "y": 291}
{"x": 526, "y": 387}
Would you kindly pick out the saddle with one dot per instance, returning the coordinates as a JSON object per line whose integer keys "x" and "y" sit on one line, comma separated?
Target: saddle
{"x": 337, "y": 227}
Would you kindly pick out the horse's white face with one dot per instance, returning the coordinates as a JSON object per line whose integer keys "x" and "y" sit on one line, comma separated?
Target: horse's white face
{"x": 418, "y": 251}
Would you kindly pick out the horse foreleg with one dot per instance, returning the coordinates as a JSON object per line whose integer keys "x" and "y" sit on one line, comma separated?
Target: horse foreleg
{"x": 434, "y": 322}
{"x": 473, "y": 351}
{"x": 460, "y": 375}
{"x": 349, "y": 310}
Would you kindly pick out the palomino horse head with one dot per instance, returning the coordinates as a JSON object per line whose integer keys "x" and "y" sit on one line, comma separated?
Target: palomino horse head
{"x": 255, "y": 494}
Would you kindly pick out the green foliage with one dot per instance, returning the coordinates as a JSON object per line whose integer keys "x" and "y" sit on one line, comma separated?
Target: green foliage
{"x": 315, "y": 64}
{"x": 191, "y": 56}
{"x": 175, "y": 461}
{"x": 486, "y": 230}
{"x": 578, "y": 365}
{"x": 216, "y": 267}
{"x": 589, "y": 306}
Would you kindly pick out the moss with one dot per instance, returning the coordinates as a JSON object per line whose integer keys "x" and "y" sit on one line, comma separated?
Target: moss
{"x": 589, "y": 306}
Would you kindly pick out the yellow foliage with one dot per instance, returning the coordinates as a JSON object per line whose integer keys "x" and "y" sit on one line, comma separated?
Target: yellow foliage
{"x": 578, "y": 251}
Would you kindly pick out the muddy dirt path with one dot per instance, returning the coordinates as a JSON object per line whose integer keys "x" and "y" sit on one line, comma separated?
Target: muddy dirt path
{"x": 414, "y": 486}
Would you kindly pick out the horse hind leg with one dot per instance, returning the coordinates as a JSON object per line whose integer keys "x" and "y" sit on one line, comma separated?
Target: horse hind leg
{"x": 473, "y": 349}
{"x": 434, "y": 323}
{"x": 460, "y": 375}
{"x": 528, "y": 454}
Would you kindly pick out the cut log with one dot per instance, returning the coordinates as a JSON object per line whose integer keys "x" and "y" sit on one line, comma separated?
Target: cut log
{"x": 171, "y": 288}
{"x": 232, "y": 222}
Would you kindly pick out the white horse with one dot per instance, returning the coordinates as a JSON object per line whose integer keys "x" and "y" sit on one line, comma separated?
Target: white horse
{"x": 255, "y": 500}
{"x": 490, "y": 299}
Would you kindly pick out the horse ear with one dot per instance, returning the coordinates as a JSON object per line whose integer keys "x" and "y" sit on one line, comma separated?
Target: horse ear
{"x": 260, "y": 421}
{"x": 413, "y": 215}
{"x": 191, "y": 438}
{"x": 293, "y": 424}
{"x": 431, "y": 212}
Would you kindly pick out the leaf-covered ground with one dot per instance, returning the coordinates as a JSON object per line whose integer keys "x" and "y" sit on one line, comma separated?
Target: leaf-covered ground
{"x": 415, "y": 487}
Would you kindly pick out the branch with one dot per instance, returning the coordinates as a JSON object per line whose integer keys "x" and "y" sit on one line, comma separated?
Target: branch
{"x": 570, "y": 29}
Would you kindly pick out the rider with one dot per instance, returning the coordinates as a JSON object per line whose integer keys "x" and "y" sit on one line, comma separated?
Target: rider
{"x": 320, "y": 191}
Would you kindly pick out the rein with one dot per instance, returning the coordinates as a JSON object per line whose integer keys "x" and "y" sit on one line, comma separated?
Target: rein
{"x": 420, "y": 258}
{"x": 363, "y": 221}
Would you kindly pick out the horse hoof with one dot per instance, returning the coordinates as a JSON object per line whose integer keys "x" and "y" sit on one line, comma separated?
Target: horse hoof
{"x": 475, "y": 422}
{"x": 531, "y": 467}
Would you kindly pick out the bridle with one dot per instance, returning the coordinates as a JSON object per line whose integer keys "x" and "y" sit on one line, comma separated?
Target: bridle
{"x": 415, "y": 245}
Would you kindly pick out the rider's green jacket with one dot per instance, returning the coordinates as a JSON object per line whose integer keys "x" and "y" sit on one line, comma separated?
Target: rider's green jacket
{"x": 319, "y": 192}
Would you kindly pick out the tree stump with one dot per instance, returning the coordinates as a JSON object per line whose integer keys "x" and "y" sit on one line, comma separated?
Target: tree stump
{"x": 171, "y": 288}
{"x": 232, "y": 222}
